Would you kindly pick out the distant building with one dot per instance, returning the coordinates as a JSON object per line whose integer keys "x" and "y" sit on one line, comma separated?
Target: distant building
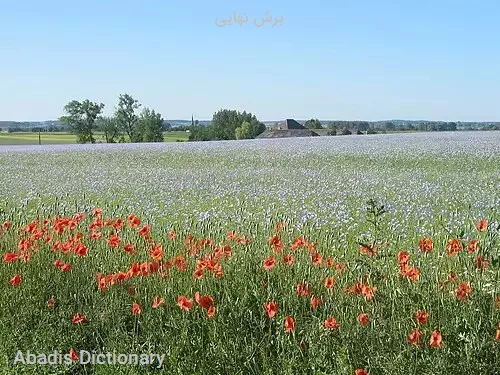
{"x": 288, "y": 128}
{"x": 290, "y": 124}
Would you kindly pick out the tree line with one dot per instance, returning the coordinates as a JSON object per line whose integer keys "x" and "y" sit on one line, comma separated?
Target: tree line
{"x": 228, "y": 124}
{"x": 127, "y": 124}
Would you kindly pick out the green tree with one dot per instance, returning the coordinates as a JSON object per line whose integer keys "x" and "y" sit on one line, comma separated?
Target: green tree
{"x": 313, "y": 123}
{"x": 244, "y": 131}
{"x": 109, "y": 126}
{"x": 81, "y": 118}
{"x": 332, "y": 125}
{"x": 201, "y": 133}
{"x": 126, "y": 117}
{"x": 150, "y": 126}
{"x": 225, "y": 122}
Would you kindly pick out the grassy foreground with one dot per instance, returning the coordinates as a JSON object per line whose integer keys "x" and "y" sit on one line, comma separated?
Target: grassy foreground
{"x": 255, "y": 257}
{"x": 67, "y": 138}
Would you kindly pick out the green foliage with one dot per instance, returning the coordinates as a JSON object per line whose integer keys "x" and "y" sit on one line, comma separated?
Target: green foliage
{"x": 225, "y": 124}
{"x": 313, "y": 124}
{"x": 81, "y": 117}
{"x": 331, "y": 125}
{"x": 244, "y": 131}
{"x": 126, "y": 117}
{"x": 109, "y": 126}
{"x": 150, "y": 126}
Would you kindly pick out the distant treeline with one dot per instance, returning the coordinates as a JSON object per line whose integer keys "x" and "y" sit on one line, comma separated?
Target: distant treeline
{"x": 128, "y": 124}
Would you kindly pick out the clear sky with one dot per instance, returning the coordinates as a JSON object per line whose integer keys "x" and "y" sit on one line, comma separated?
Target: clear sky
{"x": 348, "y": 60}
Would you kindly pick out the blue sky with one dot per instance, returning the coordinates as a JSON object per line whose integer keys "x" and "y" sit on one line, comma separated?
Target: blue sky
{"x": 364, "y": 60}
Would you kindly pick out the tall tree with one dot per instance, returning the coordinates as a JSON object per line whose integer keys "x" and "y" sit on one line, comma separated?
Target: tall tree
{"x": 81, "y": 118}
{"x": 126, "y": 117}
{"x": 225, "y": 122}
{"x": 109, "y": 126}
{"x": 150, "y": 127}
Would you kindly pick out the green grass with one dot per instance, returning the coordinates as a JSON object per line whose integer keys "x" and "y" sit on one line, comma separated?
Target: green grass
{"x": 32, "y": 138}
{"x": 67, "y": 138}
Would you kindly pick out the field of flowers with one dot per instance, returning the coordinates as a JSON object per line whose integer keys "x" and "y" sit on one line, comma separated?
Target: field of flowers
{"x": 335, "y": 255}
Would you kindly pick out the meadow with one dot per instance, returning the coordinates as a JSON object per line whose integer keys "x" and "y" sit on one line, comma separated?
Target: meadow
{"x": 56, "y": 138}
{"x": 331, "y": 255}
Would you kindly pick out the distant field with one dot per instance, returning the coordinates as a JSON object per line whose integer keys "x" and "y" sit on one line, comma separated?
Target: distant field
{"x": 67, "y": 138}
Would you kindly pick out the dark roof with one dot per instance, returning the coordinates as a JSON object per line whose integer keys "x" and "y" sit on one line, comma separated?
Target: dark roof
{"x": 287, "y": 133}
{"x": 290, "y": 124}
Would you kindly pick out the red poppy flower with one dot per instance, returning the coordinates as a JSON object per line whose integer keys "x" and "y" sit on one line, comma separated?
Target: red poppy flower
{"x": 269, "y": 263}
{"x": 133, "y": 221}
{"x": 463, "y": 291}
{"x": 73, "y": 354}
{"x": 316, "y": 259}
{"x": 184, "y": 303}
{"x": 10, "y": 257}
{"x": 157, "y": 302}
{"x": 95, "y": 235}
{"x": 16, "y": 280}
{"x": 289, "y": 259}
{"x": 436, "y": 339}
{"x": 271, "y": 309}
{"x": 361, "y": 371}
{"x": 157, "y": 253}
{"x": 204, "y": 301}
{"x": 303, "y": 289}
{"x": 114, "y": 240}
{"x": 421, "y": 317}
{"x": 425, "y": 245}
{"x": 473, "y": 246}
{"x": 171, "y": 234}
{"x": 482, "y": 225}
{"x": 331, "y": 323}
{"x": 403, "y": 257}
{"x": 276, "y": 244}
{"x": 198, "y": 274}
{"x": 129, "y": 248}
{"x": 415, "y": 336}
{"x": 136, "y": 309}
{"x": 315, "y": 302}
{"x": 79, "y": 318}
{"x": 144, "y": 231}
{"x": 363, "y": 319}
{"x": 329, "y": 282}
{"x": 289, "y": 323}
{"x": 497, "y": 336}
{"x": 453, "y": 246}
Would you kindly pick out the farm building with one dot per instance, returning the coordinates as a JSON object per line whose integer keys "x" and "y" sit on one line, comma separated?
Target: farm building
{"x": 288, "y": 128}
